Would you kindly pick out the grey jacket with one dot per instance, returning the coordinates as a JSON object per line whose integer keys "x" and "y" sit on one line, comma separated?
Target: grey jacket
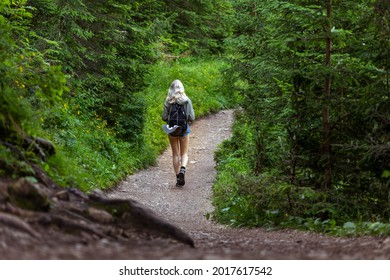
{"x": 189, "y": 110}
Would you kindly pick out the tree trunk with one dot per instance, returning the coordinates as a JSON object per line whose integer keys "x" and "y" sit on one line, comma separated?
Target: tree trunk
{"x": 326, "y": 145}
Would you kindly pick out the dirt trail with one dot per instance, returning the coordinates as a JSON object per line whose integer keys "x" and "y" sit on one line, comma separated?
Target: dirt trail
{"x": 187, "y": 207}
{"x": 155, "y": 187}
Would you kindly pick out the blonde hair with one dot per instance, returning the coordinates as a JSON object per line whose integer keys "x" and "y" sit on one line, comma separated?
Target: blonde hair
{"x": 176, "y": 93}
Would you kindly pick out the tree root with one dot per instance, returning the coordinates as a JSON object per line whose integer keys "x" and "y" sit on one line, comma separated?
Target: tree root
{"x": 18, "y": 224}
{"x": 131, "y": 213}
{"x": 68, "y": 225}
{"x": 33, "y": 207}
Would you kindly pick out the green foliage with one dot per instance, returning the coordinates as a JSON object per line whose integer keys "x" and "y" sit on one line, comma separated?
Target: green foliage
{"x": 242, "y": 198}
{"x": 105, "y": 46}
{"x": 11, "y": 166}
{"x": 200, "y": 25}
{"x": 27, "y": 81}
{"x": 89, "y": 156}
{"x": 279, "y": 52}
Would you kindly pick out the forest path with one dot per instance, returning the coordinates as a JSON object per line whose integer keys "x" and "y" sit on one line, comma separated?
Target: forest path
{"x": 187, "y": 208}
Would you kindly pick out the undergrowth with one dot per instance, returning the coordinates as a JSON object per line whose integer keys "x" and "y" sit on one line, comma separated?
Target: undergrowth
{"x": 245, "y": 199}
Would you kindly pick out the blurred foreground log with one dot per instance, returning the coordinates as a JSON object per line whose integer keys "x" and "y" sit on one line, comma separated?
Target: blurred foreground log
{"x": 35, "y": 208}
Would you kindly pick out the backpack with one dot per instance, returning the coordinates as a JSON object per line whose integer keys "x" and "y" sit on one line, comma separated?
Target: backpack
{"x": 178, "y": 116}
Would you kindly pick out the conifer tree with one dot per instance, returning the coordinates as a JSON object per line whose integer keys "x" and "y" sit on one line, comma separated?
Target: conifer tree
{"x": 315, "y": 88}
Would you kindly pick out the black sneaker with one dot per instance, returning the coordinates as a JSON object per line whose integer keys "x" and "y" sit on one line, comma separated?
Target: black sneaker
{"x": 177, "y": 180}
{"x": 181, "y": 177}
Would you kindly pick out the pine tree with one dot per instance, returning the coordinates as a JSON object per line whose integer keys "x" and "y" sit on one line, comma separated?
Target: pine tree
{"x": 314, "y": 90}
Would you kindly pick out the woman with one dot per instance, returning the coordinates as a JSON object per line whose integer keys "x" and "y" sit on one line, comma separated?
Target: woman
{"x": 180, "y": 143}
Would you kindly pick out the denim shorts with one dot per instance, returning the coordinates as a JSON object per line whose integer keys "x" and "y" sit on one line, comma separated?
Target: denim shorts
{"x": 185, "y": 132}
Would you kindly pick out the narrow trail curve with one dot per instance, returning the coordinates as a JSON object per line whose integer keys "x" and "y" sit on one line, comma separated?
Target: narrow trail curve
{"x": 187, "y": 207}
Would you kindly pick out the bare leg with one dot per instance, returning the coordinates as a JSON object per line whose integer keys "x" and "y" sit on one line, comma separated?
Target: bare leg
{"x": 179, "y": 148}
{"x": 175, "y": 154}
{"x": 184, "y": 144}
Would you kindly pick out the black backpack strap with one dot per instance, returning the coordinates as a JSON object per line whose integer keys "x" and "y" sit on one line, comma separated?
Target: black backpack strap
{"x": 185, "y": 111}
{"x": 169, "y": 113}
